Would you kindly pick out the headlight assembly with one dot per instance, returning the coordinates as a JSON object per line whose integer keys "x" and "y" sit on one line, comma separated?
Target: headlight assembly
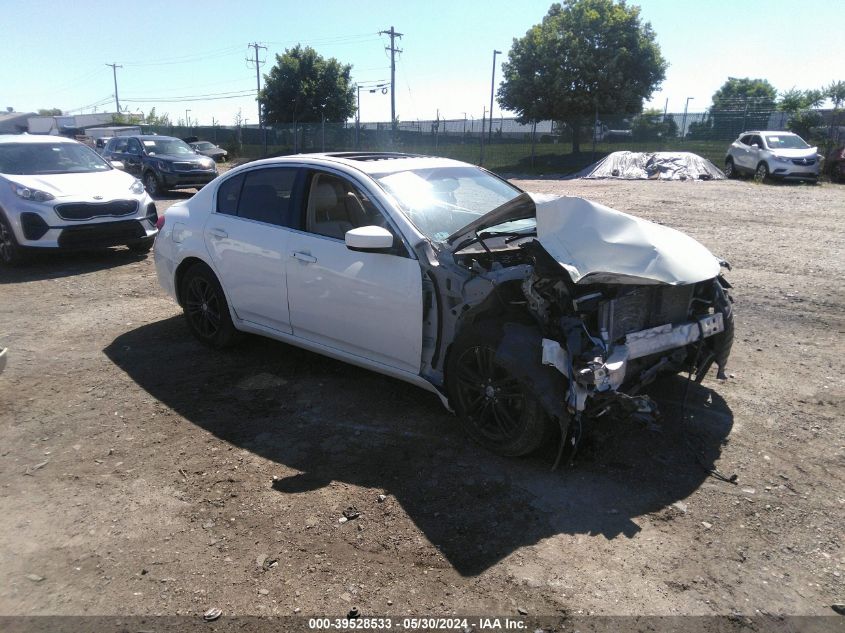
{"x": 26, "y": 193}
{"x": 137, "y": 187}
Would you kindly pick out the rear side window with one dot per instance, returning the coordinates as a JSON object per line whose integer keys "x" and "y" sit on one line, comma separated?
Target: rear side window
{"x": 228, "y": 194}
{"x": 266, "y": 196}
{"x": 263, "y": 195}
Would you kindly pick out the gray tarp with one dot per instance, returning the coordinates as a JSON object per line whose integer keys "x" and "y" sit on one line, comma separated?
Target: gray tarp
{"x": 652, "y": 166}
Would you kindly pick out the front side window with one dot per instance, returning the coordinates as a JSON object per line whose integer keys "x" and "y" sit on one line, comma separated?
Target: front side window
{"x": 746, "y": 140}
{"x": 133, "y": 146}
{"x": 120, "y": 145}
{"x": 33, "y": 159}
{"x": 441, "y": 200}
{"x": 336, "y": 206}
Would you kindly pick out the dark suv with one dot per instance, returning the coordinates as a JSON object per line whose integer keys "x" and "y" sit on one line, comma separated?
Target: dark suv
{"x": 161, "y": 162}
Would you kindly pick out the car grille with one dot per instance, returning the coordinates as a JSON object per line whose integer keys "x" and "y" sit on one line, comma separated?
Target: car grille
{"x": 644, "y": 307}
{"x": 100, "y": 235}
{"x": 804, "y": 161}
{"x": 189, "y": 167}
{"x": 86, "y": 210}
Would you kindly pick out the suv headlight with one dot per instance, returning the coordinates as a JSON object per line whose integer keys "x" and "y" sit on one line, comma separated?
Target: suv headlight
{"x": 207, "y": 163}
{"x": 163, "y": 166}
{"x": 137, "y": 187}
{"x": 36, "y": 195}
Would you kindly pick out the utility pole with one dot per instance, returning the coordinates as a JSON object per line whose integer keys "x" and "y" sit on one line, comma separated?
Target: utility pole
{"x": 492, "y": 88}
{"x": 393, "y": 50}
{"x": 684, "y": 123}
{"x": 187, "y": 120}
{"x": 257, "y": 62}
{"x": 114, "y": 68}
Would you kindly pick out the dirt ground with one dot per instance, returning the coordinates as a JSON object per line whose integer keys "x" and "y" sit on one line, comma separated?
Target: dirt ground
{"x": 141, "y": 473}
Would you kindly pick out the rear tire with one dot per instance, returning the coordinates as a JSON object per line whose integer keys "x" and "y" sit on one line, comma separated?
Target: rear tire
{"x": 730, "y": 169}
{"x": 11, "y": 253}
{"x": 141, "y": 247}
{"x": 496, "y": 410}
{"x": 205, "y": 307}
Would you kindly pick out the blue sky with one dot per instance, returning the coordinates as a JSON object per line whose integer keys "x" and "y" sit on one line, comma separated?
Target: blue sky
{"x": 54, "y": 54}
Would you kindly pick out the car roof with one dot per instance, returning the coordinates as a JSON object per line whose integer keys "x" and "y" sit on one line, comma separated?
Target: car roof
{"x": 778, "y": 132}
{"x": 149, "y": 137}
{"x": 367, "y": 162}
{"x": 34, "y": 138}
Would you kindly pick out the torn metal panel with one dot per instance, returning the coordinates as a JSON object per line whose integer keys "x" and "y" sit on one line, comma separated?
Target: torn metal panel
{"x": 597, "y": 244}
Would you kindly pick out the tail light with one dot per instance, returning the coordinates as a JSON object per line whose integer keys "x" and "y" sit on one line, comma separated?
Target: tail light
{"x": 160, "y": 222}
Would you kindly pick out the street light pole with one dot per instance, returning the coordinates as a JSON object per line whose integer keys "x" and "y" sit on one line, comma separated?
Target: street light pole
{"x": 684, "y": 121}
{"x": 492, "y": 89}
{"x": 187, "y": 120}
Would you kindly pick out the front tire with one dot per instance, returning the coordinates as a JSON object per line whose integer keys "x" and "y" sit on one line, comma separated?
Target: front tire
{"x": 205, "y": 307}
{"x": 152, "y": 185}
{"x": 496, "y": 410}
{"x": 11, "y": 253}
{"x": 762, "y": 173}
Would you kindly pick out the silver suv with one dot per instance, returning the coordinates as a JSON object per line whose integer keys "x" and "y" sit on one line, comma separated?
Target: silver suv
{"x": 772, "y": 155}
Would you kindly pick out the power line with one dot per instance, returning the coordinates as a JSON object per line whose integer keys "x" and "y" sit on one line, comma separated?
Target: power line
{"x": 247, "y": 93}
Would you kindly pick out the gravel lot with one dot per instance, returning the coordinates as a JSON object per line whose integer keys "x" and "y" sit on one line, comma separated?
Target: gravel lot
{"x": 143, "y": 474}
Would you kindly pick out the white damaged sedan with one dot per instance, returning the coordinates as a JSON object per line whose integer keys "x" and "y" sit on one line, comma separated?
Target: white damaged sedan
{"x": 527, "y": 315}
{"x": 58, "y": 193}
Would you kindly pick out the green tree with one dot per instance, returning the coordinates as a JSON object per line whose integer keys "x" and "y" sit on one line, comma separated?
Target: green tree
{"x": 49, "y": 112}
{"x": 800, "y": 104}
{"x": 740, "y": 104}
{"x": 153, "y": 118}
{"x": 586, "y": 55}
{"x": 304, "y": 86}
{"x": 651, "y": 126}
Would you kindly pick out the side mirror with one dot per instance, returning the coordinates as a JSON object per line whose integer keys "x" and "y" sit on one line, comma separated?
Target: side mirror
{"x": 369, "y": 239}
{"x": 117, "y": 164}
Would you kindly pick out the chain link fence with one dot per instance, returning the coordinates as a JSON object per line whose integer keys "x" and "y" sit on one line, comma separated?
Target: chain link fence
{"x": 510, "y": 146}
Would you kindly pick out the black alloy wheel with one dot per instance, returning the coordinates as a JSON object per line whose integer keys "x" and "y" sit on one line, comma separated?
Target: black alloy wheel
{"x": 496, "y": 409}
{"x": 206, "y": 309}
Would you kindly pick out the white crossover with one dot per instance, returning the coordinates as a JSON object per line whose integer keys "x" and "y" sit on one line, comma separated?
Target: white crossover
{"x": 58, "y": 193}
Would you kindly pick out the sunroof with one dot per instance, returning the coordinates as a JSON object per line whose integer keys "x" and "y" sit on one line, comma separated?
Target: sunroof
{"x": 367, "y": 156}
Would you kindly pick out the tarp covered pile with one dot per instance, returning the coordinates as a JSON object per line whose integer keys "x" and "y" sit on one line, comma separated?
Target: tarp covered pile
{"x": 652, "y": 166}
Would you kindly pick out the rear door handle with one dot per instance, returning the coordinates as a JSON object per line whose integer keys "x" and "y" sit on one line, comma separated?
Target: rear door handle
{"x": 305, "y": 258}
{"x": 220, "y": 234}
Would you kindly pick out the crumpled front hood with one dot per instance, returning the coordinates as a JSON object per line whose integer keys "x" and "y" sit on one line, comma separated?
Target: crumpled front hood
{"x": 597, "y": 244}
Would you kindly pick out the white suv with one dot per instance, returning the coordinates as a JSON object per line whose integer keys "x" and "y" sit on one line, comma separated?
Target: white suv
{"x": 58, "y": 193}
{"x": 781, "y": 155}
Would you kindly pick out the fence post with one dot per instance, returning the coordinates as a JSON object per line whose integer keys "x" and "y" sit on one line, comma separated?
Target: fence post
{"x": 533, "y": 141}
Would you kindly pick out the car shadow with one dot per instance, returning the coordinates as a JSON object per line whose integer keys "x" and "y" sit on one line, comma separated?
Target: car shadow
{"x": 175, "y": 194}
{"x": 55, "y": 264}
{"x": 334, "y": 422}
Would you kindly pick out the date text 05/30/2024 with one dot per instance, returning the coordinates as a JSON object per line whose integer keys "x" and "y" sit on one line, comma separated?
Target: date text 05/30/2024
{"x": 411, "y": 624}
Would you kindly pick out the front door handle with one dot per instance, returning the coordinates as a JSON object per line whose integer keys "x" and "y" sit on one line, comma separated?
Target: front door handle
{"x": 305, "y": 258}
{"x": 220, "y": 234}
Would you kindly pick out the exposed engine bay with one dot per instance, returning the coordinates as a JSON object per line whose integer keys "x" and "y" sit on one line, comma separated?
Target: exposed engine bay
{"x": 587, "y": 330}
